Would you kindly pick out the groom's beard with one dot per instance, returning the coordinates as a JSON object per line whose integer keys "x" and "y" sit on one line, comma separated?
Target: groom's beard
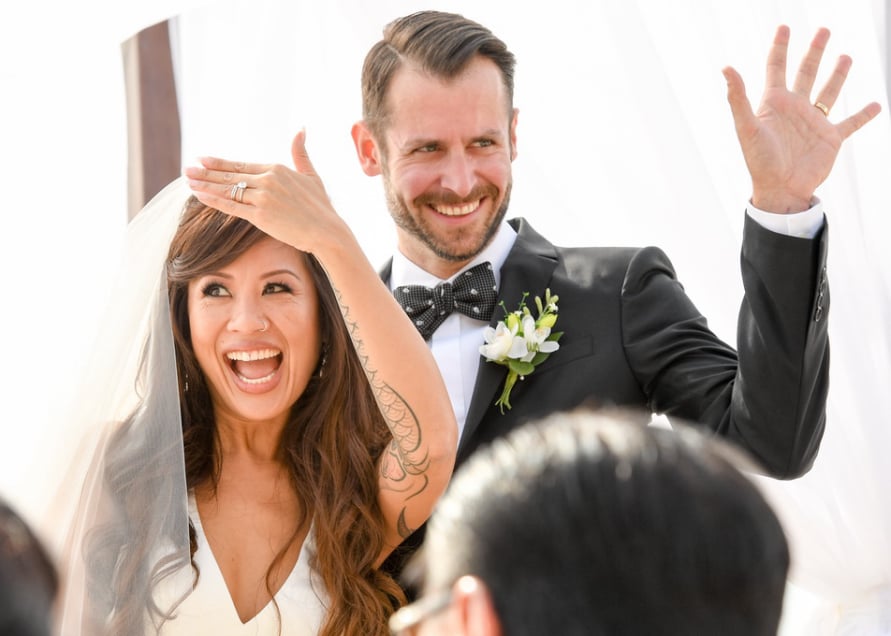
{"x": 458, "y": 246}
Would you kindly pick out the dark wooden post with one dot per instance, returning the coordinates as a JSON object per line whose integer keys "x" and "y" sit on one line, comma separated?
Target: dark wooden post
{"x": 153, "y": 125}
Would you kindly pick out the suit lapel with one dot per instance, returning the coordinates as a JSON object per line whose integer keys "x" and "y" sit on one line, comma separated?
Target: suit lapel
{"x": 386, "y": 271}
{"x": 529, "y": 268}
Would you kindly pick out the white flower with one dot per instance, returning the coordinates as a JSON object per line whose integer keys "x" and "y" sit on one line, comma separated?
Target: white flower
{"x": 535, "y": 339}
{"x": 521, "y": 342}
{"x": 499, "y": 343}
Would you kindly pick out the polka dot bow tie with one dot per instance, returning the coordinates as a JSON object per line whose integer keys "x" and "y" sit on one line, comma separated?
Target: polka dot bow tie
{"x": 472, "y": 293}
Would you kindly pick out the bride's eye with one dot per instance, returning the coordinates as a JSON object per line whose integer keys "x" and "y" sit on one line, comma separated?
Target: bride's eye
{"x": 277, "y": 288}
{"x": 214, "y": 290}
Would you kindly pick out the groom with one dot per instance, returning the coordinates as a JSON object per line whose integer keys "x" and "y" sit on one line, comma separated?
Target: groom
{"x": 439, "y": 126}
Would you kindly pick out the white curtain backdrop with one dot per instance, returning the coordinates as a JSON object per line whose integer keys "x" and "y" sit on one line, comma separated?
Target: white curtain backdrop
{"x": 625, "y": 137}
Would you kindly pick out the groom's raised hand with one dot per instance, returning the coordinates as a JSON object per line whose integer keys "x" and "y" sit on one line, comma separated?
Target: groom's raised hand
{"x": 789, "y": 143}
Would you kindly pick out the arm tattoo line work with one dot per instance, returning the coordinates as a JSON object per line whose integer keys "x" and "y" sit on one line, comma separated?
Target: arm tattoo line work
{"x": 404, "y": 456}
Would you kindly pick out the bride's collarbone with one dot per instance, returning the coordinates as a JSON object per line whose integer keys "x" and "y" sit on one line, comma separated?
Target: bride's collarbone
{"x": 248, "y": 529}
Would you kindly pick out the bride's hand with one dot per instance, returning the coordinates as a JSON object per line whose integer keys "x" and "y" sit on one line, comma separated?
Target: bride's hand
{"x": 289, "y": 205}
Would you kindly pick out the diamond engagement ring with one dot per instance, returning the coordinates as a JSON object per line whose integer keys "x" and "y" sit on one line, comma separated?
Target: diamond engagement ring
{"x": 237, "y": 192}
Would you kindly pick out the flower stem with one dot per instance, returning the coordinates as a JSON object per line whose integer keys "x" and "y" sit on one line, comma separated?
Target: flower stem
{"x": 504, "y": 400}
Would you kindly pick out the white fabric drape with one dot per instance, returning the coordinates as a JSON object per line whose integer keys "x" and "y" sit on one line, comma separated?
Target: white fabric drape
{"x": 624, "y": 138}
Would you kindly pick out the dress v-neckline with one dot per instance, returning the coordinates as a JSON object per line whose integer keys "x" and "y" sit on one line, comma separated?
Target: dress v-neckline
{"x": 217, "y": 572}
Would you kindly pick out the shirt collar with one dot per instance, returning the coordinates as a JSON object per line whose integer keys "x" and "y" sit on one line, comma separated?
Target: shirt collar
{"x": 404, "y": 272}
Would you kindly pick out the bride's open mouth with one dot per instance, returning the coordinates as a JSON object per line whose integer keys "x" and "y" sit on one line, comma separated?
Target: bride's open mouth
{"x": 255, "y": 367}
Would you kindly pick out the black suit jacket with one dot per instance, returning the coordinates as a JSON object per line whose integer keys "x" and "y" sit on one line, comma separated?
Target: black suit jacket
{"x": 632, "y": 338}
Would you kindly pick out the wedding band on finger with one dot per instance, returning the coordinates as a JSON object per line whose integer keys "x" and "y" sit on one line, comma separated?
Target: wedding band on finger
{"x": 823, "y": 107}
{"x": 237, "y": 191}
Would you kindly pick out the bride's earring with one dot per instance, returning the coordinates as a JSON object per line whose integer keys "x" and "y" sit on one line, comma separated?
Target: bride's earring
{"x": 324, "y": 360}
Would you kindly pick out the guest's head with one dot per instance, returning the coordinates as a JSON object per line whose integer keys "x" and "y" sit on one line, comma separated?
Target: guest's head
{"x": 591, "y": 523}
{"x": 28, "y": 579}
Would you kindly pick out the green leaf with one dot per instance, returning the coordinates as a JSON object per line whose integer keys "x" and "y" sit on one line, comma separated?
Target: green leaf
{"x": 521, "y": 368}
{"x": 539, "y": 358}
{"x": 547, "y": 317}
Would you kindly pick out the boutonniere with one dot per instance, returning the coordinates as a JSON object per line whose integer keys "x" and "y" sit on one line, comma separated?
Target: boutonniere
{"x": 521, "y": 342}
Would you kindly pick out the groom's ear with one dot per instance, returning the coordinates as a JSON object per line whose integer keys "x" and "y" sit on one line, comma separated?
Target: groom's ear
{"x": 366, "y": 149}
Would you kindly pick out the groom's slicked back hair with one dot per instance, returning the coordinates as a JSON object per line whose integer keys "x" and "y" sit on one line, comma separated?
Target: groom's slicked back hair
{"x": 441, "y": 44}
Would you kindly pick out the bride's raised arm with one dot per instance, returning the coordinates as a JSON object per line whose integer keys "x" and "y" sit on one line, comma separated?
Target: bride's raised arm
{"x": 293, "y": 207}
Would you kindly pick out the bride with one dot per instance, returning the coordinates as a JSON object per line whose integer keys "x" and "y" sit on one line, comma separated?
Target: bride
{"x": 277, "y": 430}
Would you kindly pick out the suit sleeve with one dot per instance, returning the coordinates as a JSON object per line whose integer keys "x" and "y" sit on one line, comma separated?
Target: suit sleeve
{"x": 768, "y": 396}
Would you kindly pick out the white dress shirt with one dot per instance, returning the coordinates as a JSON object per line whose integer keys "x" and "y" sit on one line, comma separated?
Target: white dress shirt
{"x": 455, "y": 344}
{"x": 801, "y": 224}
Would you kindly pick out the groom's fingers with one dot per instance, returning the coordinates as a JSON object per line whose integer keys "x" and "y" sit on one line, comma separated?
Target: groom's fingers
{"x": 834, "y": 84}
{"x": 740, "y": 107}
{"x": 853, "y": 123}
{"x": 807, "y": 71}
{"x": 776, "y": 59}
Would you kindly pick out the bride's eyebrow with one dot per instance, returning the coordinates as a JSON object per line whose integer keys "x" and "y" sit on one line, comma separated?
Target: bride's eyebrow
{"x": 270, "y": 274}
{"x": 217, "y": 275}
{"x": 279, "y": 272}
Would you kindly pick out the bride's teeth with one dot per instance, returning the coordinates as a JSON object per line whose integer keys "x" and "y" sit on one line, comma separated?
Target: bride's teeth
{"x": 250, "y": 356}
{"x": 256, "y": 380}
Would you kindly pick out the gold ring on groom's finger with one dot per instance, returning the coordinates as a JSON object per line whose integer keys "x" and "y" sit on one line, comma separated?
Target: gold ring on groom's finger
{"x": 823, "y": 107}
{"x": 237, "y": 191}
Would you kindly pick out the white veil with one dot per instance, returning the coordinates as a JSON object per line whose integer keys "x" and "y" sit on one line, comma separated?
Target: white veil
{"x": 121, "y": 512}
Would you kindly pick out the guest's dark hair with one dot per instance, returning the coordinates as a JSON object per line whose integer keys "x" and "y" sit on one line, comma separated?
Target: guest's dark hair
{"x": 439, "y": 43}
{"x": 592, "y": 524}
{"x": 28, "y": 578}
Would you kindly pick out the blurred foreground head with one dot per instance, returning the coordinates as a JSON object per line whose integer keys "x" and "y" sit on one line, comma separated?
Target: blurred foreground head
{"x": 28, "y": 579}
{"x": 595, "y": 523}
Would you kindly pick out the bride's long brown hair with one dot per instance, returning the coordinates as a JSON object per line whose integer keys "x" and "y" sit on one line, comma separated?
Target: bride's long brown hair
{"x": 330, "y": 444}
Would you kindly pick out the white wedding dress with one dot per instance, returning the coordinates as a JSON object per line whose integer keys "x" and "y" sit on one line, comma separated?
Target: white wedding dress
{"x": 209, "y": 608}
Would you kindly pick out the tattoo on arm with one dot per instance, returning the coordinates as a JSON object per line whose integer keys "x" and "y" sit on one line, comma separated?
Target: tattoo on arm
{"x": 402, "y": 527}
{"x": 404, "y": 457}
